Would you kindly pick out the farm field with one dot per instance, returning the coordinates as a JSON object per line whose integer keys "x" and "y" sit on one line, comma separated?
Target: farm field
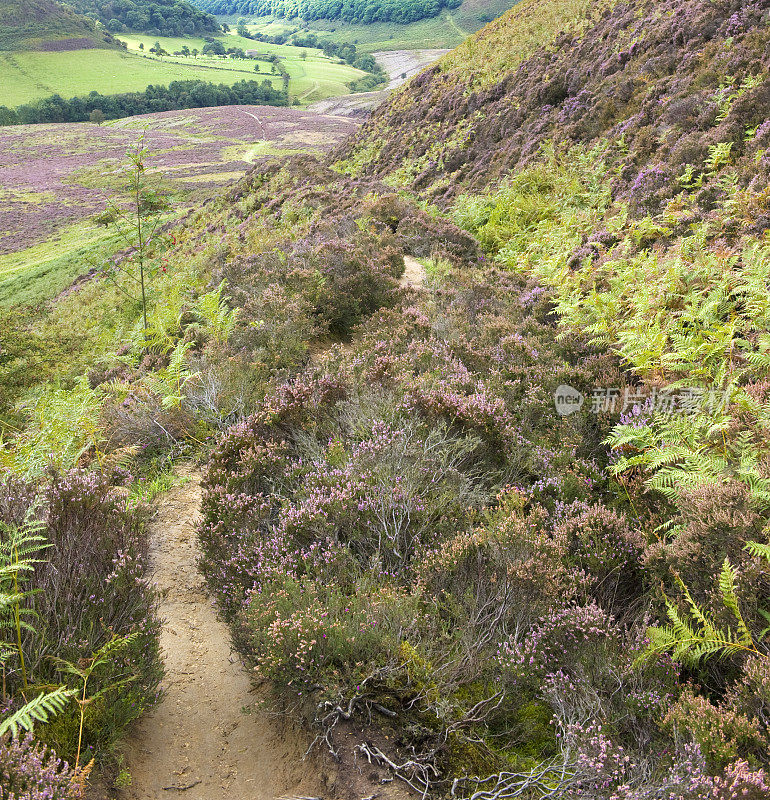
{"x": 29, "y": 76}
{"x": 447, "y": 30}
{"x": 314, "y": 77}
{"x": 175, "y": 43}
{"x": 57, "y": 177}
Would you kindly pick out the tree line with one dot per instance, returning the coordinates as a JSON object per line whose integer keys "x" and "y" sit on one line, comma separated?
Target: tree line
{"x": 177, "y": 95}
{"x": 156, "y": 17}
{"x": 365, "y": 11}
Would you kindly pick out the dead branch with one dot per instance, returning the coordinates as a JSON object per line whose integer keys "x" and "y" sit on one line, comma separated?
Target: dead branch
{"x": 414, "y": 774}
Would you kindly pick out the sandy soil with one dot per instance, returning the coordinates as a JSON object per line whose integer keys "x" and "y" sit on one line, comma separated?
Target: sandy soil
{"x": 199, "y": 744}
{"x": 414, "y": 273}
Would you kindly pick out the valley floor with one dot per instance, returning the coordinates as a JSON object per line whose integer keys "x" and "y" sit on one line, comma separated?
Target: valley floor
{"x": 400, "y": 66}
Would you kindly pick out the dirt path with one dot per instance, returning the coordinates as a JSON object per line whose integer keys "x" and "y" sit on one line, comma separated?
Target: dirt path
{"x": 396, "y": 63}
{"x": 199, "y": 744}
{"x": 414, "y": 273}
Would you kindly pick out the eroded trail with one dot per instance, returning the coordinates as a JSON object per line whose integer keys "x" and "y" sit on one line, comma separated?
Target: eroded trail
{"x": 199, "y": 744}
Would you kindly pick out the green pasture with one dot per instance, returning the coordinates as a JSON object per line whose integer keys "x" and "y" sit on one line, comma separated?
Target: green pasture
{"x": 173, "y": 44}
{"x": 446, "y": 30}
{"x": 29, "y": 76}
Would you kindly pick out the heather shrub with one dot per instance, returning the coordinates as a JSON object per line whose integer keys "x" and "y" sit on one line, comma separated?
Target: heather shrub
{"x": 498, "y": 577}
{"x": 300, "y": 631}
{"x": 607, "y": 548}
{"x": 141, "y": 421}
{"x": 330, "y": 284}
{"x": 750, "y": 695}
{"x": 89, "y": 587}
{"x": 226, "y": 387}
{"x": 586, "y": 667}
{"x": 382, "y": 490}
{"x": 355, "y": 278}
{"x": 722, "y": 734}
{"x": 31, "y": 771}
{"x": 575, "y": 637}
{"x": 712, "y": 523}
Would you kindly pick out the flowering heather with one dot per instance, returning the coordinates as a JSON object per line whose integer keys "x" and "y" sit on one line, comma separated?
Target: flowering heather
{"x": 403, "y": 534}
{"x": 404, "y": 523}
{"x": 54, "y": 175}
{"x": 91, "y": 585}
{"x": 362, "y": 507}
{"x": 30, "y": 771}
{"x": 671, "y": 78}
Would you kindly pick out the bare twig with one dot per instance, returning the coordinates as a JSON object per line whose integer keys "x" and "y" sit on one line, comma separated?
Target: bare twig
{"x": 181, "y": 788}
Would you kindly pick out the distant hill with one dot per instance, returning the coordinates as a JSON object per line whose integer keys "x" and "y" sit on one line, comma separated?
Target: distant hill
{"x": 357, "y": 11}
{"x": 47, "y": 25}
{"x": 156, "y": 17}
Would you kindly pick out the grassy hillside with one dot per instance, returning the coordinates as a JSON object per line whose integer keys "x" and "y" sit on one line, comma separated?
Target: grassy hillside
{"x": 440, "y": 32}
{"x": 445, "y": 30}
{"x": 46, "y": 24}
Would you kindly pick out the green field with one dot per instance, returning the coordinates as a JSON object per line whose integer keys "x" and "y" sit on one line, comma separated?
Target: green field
{"x": 175, "y": 43}
{"x": 29, "y": 76}
{"x": 313, "y": 77}
{"x": 447, "y": 30}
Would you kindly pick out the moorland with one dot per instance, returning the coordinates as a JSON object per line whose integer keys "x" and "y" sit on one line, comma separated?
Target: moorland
{"x": 450, "y": 419}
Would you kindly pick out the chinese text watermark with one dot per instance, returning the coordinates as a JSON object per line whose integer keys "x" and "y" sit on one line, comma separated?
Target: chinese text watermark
{"x": 632, "y": 400}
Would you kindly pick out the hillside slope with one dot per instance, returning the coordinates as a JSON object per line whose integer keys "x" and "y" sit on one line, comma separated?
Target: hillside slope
{"x": 47, "y": 25}
{"x": 499, "y": 526}
{"x": 673, "y": 78}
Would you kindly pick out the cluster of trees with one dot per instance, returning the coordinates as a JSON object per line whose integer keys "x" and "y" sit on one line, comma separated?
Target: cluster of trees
{"x": 177, "y": 95}
{"x": 347, "y": 10}
{"x": 278, "y": 38}
{"x": 344, "y": 50}
{"x": 157, "y": 17}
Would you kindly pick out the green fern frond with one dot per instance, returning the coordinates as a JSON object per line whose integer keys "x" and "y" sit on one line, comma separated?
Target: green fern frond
{"x": 727, "y": 580}
{"x": 41, "y": 709}
{"x": 758, "y": 550}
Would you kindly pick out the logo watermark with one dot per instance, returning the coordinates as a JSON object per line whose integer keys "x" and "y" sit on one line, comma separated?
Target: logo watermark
{"x": 634, "y": 400}
{"x": 567, "y": 400}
